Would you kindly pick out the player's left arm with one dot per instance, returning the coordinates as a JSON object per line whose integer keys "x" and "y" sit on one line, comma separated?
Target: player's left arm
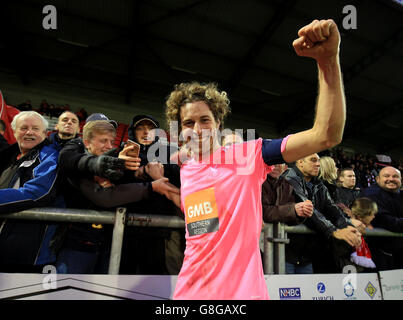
{"x": 320, "y": 40}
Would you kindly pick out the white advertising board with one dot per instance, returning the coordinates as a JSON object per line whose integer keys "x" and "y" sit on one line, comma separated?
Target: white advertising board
{"x": 85, "y": 287}
{"x": 350, "y": 286}
{"x": 142, "y": 287}
{"x": 392, "y": 284}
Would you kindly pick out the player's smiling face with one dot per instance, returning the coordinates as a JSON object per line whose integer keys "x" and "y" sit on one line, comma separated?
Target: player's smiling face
{"x": 199, "y": 127}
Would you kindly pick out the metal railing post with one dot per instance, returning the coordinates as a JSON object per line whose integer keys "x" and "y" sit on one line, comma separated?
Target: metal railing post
{"x": 280, "y": 252}
{"x": 268, "y": 262}
{"x": 117, "y": 241}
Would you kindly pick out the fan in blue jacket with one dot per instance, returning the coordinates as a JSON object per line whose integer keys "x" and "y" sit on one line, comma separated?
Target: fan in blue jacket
{"x": 28, "y": 179}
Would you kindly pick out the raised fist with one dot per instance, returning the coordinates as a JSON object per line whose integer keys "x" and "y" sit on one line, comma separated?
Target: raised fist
{"x": 319, "y": 40}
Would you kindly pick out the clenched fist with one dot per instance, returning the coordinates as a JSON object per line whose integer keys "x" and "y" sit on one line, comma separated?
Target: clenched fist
{"x": 319, "y": 40}
{"x": 304, "y": 209}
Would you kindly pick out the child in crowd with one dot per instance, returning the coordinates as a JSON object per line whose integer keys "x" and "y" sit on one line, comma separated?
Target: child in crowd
{"x": 364, "y": 209}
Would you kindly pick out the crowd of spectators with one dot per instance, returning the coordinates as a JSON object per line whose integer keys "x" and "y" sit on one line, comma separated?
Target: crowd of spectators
{"x": 365, "y": 166}
{"x": 221, "y": 201}
{"x": 83, "y": 176}
{"x": 51, "y": 110}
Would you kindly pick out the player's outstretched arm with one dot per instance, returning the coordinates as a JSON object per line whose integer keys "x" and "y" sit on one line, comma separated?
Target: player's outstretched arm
{"x": 320, "y": 40}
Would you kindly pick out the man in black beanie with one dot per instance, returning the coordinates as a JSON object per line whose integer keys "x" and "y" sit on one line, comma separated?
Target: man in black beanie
{"x": 153, "y": 250}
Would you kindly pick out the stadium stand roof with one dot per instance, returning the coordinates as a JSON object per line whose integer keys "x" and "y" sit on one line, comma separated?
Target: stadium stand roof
{"x": 142, "y": 48}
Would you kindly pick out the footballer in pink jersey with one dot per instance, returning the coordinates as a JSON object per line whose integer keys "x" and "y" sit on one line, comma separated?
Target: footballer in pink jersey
{"x": 221, "y": 186}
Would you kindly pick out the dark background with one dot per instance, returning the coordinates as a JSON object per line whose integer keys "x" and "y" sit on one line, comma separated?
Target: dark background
{"x": 125, "y": 57}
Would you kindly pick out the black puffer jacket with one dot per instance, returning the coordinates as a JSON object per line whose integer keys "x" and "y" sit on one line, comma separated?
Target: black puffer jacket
{"x": 83, "y": 192}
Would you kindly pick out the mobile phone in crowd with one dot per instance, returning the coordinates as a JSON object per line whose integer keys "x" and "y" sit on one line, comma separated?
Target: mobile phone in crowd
{"x": 136, "y": 151}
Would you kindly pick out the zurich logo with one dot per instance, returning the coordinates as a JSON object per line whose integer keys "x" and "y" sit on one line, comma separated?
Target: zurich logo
{"x": 321, "y": 287}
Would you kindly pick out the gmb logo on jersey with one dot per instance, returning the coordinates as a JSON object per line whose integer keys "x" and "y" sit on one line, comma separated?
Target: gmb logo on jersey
{"x": 201, "y": 212}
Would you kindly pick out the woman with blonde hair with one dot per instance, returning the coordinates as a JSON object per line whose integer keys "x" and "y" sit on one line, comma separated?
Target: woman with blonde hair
{"x": 328, "y": 174}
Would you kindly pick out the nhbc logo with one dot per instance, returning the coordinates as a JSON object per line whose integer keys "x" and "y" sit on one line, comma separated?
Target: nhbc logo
{"x": 290, "y": 293}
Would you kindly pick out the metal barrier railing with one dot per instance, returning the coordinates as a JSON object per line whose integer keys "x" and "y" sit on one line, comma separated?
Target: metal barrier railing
{"x": 119, "y": 219}
{"x": 275, "y": 234}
